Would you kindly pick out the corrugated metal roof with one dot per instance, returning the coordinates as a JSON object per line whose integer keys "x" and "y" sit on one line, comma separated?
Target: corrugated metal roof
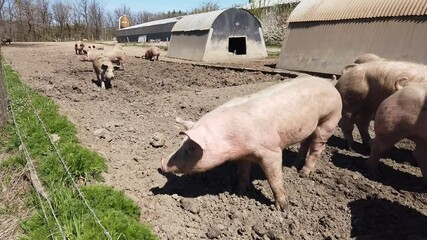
{"x": 153, "y": 23}
{"x": 196, "y": 22}
{"x": 326, "y": 10}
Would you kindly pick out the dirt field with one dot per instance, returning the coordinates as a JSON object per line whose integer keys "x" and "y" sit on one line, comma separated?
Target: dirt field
{"x": 338, "y": 201}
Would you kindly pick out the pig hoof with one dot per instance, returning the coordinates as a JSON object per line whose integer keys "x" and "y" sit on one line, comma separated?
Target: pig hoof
{"x": 282, "y": 206}
{"x": 304, "y": 172}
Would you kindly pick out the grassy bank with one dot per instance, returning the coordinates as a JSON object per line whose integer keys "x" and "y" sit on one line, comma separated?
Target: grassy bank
{"x": 118, "y": 214}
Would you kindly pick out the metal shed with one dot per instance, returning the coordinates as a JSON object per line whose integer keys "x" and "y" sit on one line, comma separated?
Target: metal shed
{"x": 219, "y": 35}
{"x": 145, "y": 32}
{"x": 325, "y": 35}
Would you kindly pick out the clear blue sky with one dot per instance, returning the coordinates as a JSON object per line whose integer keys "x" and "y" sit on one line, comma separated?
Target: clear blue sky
{"x": 166, "y": 5}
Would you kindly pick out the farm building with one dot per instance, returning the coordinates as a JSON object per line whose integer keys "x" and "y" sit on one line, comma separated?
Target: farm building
{"x": 325, "y": 35}
{"x": 148, "y": 31}
{"x": 218, "y": 35}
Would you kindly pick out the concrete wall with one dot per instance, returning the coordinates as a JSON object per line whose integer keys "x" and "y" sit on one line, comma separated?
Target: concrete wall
{"x": 188, "y": 45}
{"x": 217, "y": 50}
{"x": 326, "y": 47}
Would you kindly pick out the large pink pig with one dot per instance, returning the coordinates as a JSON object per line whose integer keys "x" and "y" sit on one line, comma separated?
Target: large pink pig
{"x": 402, "y": 115}
{"x": 365, "y": 86}
{"x": 256, "y": 128}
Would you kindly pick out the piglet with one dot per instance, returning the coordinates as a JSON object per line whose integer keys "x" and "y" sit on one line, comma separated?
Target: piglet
{"x": 402, "y": 115}
{"x": 256, "y": 128}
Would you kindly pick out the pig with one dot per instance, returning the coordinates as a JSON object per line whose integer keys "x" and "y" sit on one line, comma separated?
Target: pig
{"x": 6, "y": 40}
{"x": 363, "y": 58}
{"x": 402, "y": 115}
{"x": 368, "y": 57}
{"x": 256, "y": 128}
{"x": 104, "y": 70}
{"x": 365, "y": 86}
{"x": 153, "y": 53}
{"x": 79, "y": 46}
{"x": 115, "y": 55}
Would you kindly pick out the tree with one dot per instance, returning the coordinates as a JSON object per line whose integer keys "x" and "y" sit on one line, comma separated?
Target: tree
{"x": 62, "y": 15}
{"x": 206, "y": 7}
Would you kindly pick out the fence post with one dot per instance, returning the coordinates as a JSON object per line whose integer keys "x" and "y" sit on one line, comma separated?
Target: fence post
{"x": 3, "y": 95}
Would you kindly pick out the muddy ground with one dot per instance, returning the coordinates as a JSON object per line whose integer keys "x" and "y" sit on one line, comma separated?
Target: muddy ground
{"x": 339, "y": 201}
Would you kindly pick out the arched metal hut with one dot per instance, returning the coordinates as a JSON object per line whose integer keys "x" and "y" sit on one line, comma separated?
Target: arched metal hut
{"x": 145, "y": 32}
{"x": 219, "y": 35}
{"x": 325, "y": 35}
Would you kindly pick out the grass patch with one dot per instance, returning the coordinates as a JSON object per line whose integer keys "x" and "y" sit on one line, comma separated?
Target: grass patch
{"x": 273, "y": 54}
{"x": 118, "y": 214}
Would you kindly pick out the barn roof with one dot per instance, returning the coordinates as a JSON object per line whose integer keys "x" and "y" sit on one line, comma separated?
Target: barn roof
{"x": 196, "y": 22}
{"x": 152, "y": 23}
{"x": 327, "y": 10}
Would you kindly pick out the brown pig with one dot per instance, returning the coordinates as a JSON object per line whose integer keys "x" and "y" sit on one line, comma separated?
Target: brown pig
{"x": 402, "y": 115}
{"x": 153, "y": 53}
{"x": 104, "y": 70}
{"x": 79, "y": 46}
{"x": 256, "y": 128}
{"x": 365, "y": 86}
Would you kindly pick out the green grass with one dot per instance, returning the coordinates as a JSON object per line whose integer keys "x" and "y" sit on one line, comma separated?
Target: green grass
{"x": 273, "y": 54}
{"x": 118, "y": 213}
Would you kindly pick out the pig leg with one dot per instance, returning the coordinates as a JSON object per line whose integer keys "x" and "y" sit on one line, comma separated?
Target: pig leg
{"x": 420, "y": 155}
{"x": 380, "y": 144}
{"x": 302, "y": 153}
{"x": 319, "y": 138}
{"x": 244, "y": 170}
{"x": 347, "y": 126}
{"x": 271, "y": 164}
{"x": 362, "y": 123}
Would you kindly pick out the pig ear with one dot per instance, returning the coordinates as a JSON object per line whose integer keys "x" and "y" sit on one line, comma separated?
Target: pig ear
{"x": 348, "y": 68}
{"x": 195, "y": 137}
{"x": 104, "y": 67}
{"x": 400, "y": 83}
{"x": 187, "y": 124}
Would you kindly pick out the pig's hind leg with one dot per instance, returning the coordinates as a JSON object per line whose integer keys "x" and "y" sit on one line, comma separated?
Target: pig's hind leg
{"x": 380, "y": 144}
{"x": 318, "y": 141}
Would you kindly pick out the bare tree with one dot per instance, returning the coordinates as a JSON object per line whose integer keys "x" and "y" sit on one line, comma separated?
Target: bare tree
{"x": 61, "y": 15}
{"x": 95, "y": 19}
{"x": 43, "y": 20}
{"x": 206, "y": 7}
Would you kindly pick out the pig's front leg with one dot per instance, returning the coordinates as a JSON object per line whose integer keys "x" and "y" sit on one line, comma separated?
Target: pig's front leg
{"x": 244, "y": 171}
{"x": 362, "y": 123}
{"x": 271, "y": 163}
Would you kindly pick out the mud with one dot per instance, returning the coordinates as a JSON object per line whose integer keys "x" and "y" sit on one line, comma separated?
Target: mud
{"x": 339, "y": 201}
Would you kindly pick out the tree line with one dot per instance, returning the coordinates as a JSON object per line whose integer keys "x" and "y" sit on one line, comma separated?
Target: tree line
{"x": 64, "y": 20}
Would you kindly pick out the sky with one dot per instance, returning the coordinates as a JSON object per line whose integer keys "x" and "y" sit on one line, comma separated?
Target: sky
{"x": 166, "y": 5}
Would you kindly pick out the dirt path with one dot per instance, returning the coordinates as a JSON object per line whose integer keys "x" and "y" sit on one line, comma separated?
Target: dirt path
{"x": 339, "y": 201}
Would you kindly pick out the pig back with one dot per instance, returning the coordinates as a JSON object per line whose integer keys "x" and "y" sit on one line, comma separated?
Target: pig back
{"x": 285, "y": 113}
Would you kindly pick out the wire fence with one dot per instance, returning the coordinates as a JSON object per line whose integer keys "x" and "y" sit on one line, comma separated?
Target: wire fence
{"x": 34, "y": 177}
{"x": 67, "y": 169}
